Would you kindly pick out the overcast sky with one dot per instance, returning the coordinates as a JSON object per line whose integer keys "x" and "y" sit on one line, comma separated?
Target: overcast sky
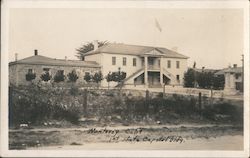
{"x": 211, "y": 37}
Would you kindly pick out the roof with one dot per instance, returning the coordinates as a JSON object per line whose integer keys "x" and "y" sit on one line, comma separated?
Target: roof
{"x": 206, "y": 70}
{"x": 42, "y": 60}
{"x": 115, "y": 48}
{"x": 231, "y": 70}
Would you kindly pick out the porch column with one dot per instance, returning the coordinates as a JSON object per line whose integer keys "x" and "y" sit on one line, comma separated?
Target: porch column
{"x": 146, "y": 71}
{"x": 161, "y": 71}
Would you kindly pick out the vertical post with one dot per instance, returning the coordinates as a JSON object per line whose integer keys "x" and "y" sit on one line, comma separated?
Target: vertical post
{"x": 164, "y": 91}
{"x": 146, "y": 100}
{"x": 200, "y": 106}
{"x": 211, "y": 97}
{"x": 161, "y": 72}
{"x": 85, "y": 102}
{"x": 146, "y": 71}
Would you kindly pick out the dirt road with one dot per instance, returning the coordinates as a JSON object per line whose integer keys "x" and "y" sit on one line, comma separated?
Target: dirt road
{"x": 222, "y": 137}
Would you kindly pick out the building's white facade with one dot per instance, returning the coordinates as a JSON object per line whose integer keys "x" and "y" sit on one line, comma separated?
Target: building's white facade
{"x": 145, "y": 66}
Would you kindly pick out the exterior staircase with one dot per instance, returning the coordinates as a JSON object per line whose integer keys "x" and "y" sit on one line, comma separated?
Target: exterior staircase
{"x": 135, "y": 74}
{"x": 170, "y": 76}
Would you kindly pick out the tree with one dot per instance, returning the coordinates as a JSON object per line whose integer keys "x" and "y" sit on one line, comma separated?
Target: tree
{"x": 87, "y": 47}
{"x": 189, "y": 78}
{"x": 109, "y": 78}
{"x": 218, "y": 81}
{"x": 46, "y": 76}
{"x": 87, "y": 77}
{"x": 72, "y": 76}
{"x": 205, "y": 79}
{"x": 30, "y": 76}
{"x": 118, "y": 77}
{"x": 97, "y": 77}
{"x": 59, "y": 77}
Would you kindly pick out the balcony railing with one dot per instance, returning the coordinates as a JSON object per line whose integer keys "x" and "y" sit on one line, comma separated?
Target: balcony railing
{"x": 153, "y": 67}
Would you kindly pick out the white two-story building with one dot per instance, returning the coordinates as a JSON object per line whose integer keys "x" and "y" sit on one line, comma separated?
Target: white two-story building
{"x": 144, "y": 66}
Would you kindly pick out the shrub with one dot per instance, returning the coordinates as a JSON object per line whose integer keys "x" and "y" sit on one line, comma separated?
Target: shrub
{"x": 87, "y": 77}
{"x": 97, "y": 77}
{"x": 117, "y": 76}
{"x": 74, "y": 90}
{"x": 35, "y": 105}
{"x": 59, "y": 77}
{"x": 26, "y": 110}
{"x": 72, "y": 76}
{"x": 46, "y": 76}
{"x": 30, "y": 76}
{"x": 71, "y": 114}
{"x": 233, "y": 113}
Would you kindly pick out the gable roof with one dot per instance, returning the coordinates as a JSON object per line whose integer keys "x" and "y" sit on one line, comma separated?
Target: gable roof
{"x": 115, "y": 48}
{"x": 42, "y": 60}
{"x": 232, "y": 70}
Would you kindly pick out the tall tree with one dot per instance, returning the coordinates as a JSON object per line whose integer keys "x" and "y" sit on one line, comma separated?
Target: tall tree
{"x": 189, "y": 78}
{"x": 218, "y": 82}
{"x": 89, "y": 46}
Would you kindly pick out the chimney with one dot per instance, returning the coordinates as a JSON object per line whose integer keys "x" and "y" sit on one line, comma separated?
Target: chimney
{"x": 16, "y": 56}
{"x": 35, "y": 52}
{"x": 66, "y": 58}
{"x": 235, "y": 65}
{"x": 95, "y": 43}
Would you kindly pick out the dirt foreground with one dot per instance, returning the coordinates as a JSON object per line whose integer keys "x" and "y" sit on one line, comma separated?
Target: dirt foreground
{"x": 159, "y": 137}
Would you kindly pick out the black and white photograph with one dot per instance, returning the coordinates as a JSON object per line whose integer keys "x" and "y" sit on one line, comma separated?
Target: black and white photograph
{"x": 125, "y": 77}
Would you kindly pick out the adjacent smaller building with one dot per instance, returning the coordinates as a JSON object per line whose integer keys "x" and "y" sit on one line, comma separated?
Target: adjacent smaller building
{"x": 233, "y": 79}
{"x": 39, "y": 65}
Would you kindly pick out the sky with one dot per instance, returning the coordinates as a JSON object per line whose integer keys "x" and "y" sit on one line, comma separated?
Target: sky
{"x": 211, "y": 37}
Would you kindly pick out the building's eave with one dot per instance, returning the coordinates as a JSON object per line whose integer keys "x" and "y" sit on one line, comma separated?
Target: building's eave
{"x": 51, "y": 64}
{"x": 141, "y": 55}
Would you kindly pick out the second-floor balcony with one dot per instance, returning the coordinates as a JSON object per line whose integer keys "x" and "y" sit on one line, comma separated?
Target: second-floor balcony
{"x": 153, "y": 63}
{"x": 153, "y": 67}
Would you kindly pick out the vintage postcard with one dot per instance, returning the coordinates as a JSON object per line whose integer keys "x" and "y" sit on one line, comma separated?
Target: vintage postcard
{"x": 124, "y": 78}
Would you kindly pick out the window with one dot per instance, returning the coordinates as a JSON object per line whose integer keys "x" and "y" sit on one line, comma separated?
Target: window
{"x": 177, "y": 77}
{"x": 169, "y": 64}
{"x": 124, "y": 61}
{"x": 46, "y": 69}
{"x": 134, "y": 61}
{"x": 237, "y": 76}
{"x": 113, "y": 60}
{"x": 159, "y": 63}
{"x": 177, "y": 64}
{"x": 30, "y": 71}
{"x": 87, "y": 73}
{"x": 60, "y": 72}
